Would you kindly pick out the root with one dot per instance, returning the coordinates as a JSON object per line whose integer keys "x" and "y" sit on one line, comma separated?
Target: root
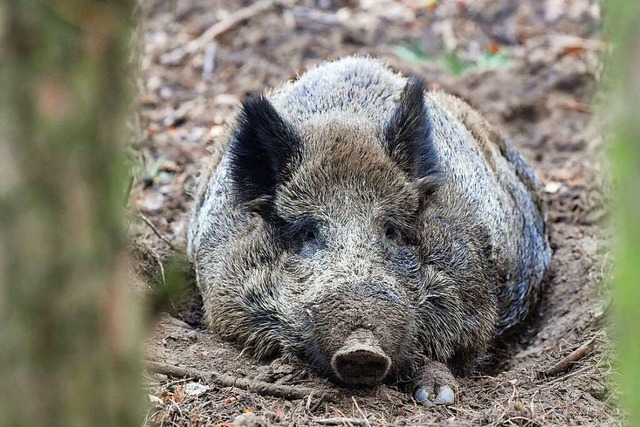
{"x": 570, "y": 360}
{"x": 259, "y": 387}
{"x": 342, "y": 421}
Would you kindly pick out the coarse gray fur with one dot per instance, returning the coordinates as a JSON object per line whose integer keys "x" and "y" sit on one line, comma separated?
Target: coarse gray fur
{"x": 472, "y": 269}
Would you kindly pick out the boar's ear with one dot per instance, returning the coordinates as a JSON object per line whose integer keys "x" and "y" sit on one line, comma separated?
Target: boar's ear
{"x": 261, "y": 152}
{"x": 407, "y": 136}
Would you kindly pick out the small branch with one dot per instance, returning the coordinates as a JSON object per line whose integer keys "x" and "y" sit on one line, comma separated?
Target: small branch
{"x": 155, "y": 230}
{"x": 312, "y": 407}
{"x": 342, "y": 421}
{"x": 232, "y": 21}
{"x": 564, "y": 41}
{"x": 360, "y": 411}
{"x": 582, "y": 107}
{"x": 570, "y": 360}
{"x": 260, "y": 387}
{"x": 315, "y": 16}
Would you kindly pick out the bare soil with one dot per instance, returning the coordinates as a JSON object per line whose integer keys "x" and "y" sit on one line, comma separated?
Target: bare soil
{"x": 529, "y": 66}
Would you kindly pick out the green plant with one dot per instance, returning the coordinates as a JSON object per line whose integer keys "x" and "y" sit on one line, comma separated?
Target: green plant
{"x": 451, "y": 60}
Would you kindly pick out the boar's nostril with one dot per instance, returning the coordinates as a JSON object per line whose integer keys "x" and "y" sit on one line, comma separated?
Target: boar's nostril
{"x": 361, "y": 360}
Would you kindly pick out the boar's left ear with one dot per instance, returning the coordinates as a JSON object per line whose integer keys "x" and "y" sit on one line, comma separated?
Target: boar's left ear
{"x": 407, "y": 136}
{"x": 262, "y": 152}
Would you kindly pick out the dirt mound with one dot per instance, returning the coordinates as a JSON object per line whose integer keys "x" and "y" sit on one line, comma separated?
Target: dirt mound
{"x": 529, "y": 67}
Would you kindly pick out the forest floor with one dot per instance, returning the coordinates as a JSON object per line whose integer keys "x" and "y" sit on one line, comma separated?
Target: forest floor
{"x": 530, "y": 67}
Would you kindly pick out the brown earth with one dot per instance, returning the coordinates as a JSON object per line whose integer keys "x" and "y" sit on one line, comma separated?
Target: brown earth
{"x": 529, "y": 66}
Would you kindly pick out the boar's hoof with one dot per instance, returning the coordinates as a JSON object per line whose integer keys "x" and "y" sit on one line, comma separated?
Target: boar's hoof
{"x": 445, "y": 396}
{"x": 361, "y": 361}
{"x": 435, "y": 380}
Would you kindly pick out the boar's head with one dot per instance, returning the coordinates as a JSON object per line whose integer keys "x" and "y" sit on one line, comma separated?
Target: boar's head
{"x": 371, "y": 273}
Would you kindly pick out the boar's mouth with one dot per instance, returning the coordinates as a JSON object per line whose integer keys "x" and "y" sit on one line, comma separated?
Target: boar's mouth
{"x": 361, "y": 360}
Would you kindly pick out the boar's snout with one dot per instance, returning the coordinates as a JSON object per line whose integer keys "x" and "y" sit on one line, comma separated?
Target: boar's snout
{"x": 360, "y": 334}
{"x": 361, "y": 360}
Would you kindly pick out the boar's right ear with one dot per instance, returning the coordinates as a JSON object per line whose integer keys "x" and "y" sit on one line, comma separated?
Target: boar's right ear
{"x": 262, "y": 151}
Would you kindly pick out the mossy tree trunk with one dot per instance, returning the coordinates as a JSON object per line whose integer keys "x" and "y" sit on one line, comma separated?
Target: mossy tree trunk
{"x": 69, "y": 327}
{"x": 623, "y": 83}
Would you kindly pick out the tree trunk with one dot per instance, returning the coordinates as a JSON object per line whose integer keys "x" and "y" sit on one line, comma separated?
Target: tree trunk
{"x": 623, "y": 82}
{"x": 70, "y": 331}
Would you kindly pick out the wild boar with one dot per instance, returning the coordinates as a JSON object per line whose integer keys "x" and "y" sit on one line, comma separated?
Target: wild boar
{"x": 376, "y": 231}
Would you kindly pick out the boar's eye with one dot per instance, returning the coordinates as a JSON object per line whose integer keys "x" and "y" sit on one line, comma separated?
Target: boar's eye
{"x": 308, "y": 236}
{"x": 307, "y": 241}
{"x": 302, "y": 237}
{"x": 395, "y": 235}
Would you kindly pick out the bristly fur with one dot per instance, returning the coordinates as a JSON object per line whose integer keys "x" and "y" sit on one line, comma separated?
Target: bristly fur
{"x": 351, "y": 198}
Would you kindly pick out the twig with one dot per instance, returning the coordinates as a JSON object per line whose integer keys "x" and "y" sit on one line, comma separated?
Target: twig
{"x": 221, "y": 27}
{"x": 155, "y": 230}
{"x": 568, "y": 362}
{"x": 582, "y": 107}
{"x": 260, "y": 387}
{"x": 308, "y": 405}
{"x": 315, "y": 16}
{"x": 312, "y": 408}
{"x": 341, "y": 421}
{"x": 360, "y": 411}
{"x": 568, "y": 41}
{"x": 159, "y": 261}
